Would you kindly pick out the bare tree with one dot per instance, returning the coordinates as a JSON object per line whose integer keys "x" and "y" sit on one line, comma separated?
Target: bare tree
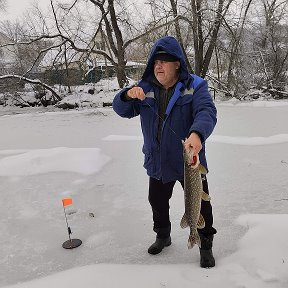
{"x": 114, "y": 36}
{"x": 210, "y": 32}
{"x": 179, "y": 33}
{"x": 111, "y": 21}
{"x": 274, "y": 38}
{"x": 257, "y": 55}
{"x": 237, "y": 38}
{"x": 206, "y": 24}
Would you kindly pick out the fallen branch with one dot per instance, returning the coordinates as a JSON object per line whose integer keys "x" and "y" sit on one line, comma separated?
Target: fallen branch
{"x": 275, "y": 93}
{"x": 33, "y": 81}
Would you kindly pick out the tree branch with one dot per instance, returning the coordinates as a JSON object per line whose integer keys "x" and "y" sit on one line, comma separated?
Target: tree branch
{"x": 32, "y": 81}
{"x": 179, "y": 17}
{"x": 84, "y": 50}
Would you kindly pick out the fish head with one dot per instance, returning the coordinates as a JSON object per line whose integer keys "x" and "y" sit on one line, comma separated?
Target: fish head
{"x": 189, "y": 157}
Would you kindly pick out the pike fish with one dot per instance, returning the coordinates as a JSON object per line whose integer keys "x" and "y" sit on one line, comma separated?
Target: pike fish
{"x": 193, "y": 194}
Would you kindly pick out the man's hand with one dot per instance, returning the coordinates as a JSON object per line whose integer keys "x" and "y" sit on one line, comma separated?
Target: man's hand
{"x": 136, "y": 92}
{"x": 193, "y": 142}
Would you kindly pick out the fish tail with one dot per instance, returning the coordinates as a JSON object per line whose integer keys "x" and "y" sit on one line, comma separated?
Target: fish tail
{"x": 193, "y": 239}
{"x": 184, "y": 222}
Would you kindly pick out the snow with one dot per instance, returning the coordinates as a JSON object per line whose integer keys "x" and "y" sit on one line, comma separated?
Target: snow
{"x": 274, "y": 139}
{"x": 94, "y": 156}
{"x": 78, "y": 160}
{"x": 104, "y": 92}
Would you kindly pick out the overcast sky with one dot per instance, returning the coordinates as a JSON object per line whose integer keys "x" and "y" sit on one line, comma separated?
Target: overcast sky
{"x": 15, "y": 8}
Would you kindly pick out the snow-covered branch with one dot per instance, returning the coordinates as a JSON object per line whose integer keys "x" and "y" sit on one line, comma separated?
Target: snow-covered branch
{"x": 32, "y": 81}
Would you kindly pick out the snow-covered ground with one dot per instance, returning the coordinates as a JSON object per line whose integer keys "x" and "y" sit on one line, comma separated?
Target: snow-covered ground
{"x": 90, "y": 95}
{"x": 95, "y": 157}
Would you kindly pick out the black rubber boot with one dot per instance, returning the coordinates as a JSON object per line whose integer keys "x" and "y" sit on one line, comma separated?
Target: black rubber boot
{"x": 159, "y": 245}
{"x": 206, "y": 256}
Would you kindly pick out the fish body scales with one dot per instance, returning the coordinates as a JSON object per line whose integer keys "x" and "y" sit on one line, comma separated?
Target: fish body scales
{"x": 193, "y": 193}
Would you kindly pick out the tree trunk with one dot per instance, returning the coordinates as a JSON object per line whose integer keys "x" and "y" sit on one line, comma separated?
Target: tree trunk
{"x": 120, "y": 70}
{"x": 197, "y": 54}
{"x": 178, "y": 34}
{"x": 67, "y": 70}
{"x": 217, "y": 22}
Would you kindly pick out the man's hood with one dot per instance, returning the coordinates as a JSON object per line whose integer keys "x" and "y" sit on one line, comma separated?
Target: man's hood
{"x": 171, "y": 46}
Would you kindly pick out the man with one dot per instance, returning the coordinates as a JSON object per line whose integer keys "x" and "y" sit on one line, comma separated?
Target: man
{"x": 173, "y": 105}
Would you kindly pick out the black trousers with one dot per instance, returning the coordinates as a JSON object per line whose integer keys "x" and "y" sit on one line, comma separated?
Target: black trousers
{"x": 159, "y": 196}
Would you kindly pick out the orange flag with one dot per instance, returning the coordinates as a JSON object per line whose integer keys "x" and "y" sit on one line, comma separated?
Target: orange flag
{"x": 67, "y": 201}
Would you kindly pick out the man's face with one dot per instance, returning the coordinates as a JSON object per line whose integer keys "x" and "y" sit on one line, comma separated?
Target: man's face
{"x": 166, "y": 72}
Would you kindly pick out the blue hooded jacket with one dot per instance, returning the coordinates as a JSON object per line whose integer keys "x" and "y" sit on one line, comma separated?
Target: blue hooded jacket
{"x": 190, "y": 109}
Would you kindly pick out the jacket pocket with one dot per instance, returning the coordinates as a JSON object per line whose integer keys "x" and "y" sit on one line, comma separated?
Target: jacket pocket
{"x": 181, "y": 117}
{"x": 175, "y": 162}
{"x": 184, "y": 100}
{"x": 147, "y": 158}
